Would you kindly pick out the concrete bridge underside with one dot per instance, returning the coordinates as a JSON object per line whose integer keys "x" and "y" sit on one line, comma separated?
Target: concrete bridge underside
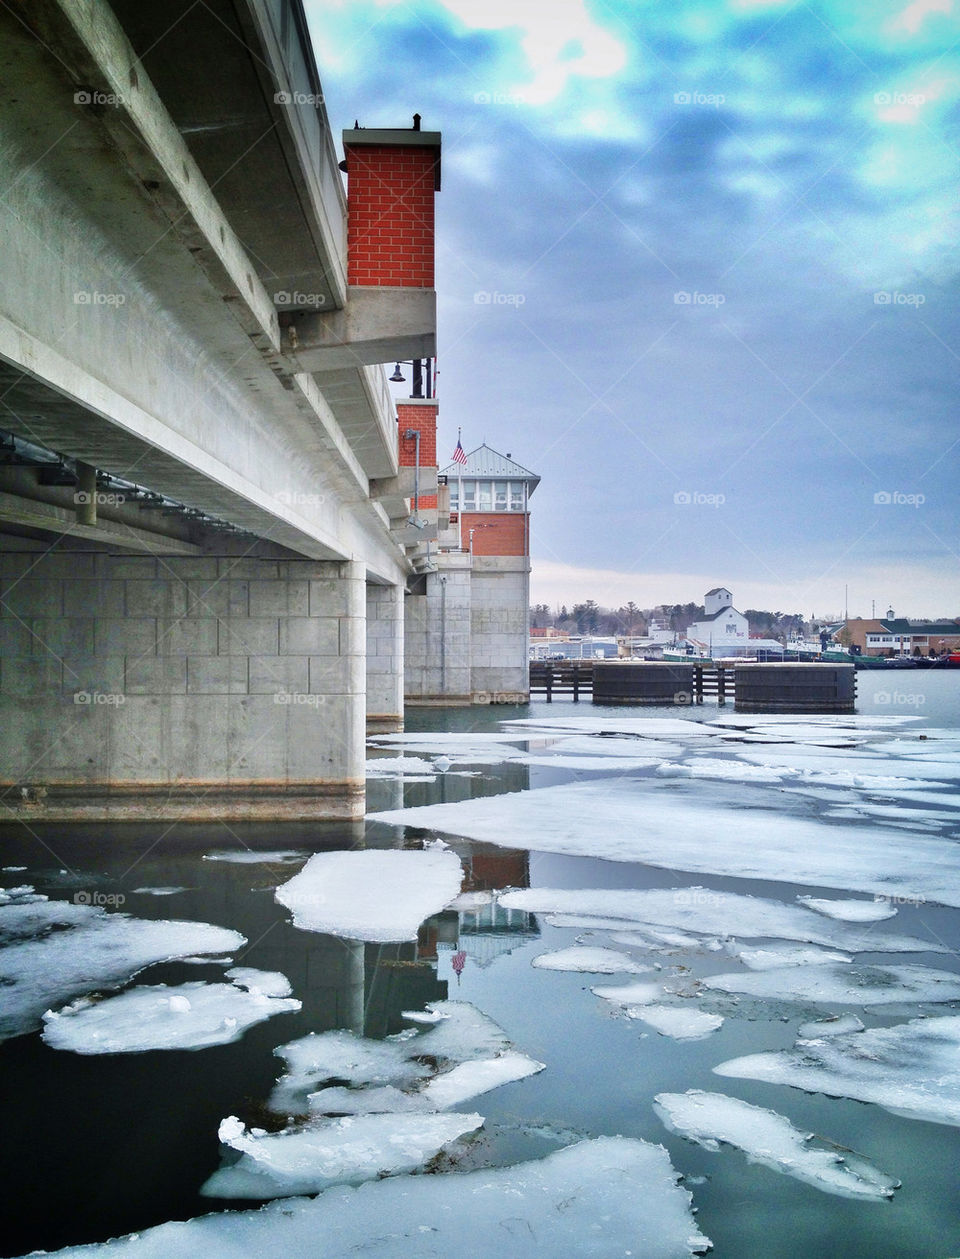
{"x": 196, "y": 646}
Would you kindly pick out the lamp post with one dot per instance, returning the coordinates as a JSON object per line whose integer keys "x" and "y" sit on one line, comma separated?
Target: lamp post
{"x": 419, "y": 375}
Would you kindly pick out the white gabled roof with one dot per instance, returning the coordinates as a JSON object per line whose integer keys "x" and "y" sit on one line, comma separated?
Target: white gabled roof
{"x": 490, "y": 463}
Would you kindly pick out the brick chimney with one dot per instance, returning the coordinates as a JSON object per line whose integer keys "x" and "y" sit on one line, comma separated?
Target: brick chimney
{"x": 393, "y": 176}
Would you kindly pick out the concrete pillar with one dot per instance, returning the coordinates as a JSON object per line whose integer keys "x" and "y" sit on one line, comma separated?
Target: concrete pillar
{"x": 384, "y": 658}
{"x": 437, "y": 642}
{"x": 175, "y": 687}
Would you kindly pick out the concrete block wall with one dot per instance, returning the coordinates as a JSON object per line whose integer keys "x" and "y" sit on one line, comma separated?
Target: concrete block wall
{"x": 385, "y": 633}
{"x": 499, "y": 627}
{"x": 437, "y": 636}
{"x": 181, "y": 687}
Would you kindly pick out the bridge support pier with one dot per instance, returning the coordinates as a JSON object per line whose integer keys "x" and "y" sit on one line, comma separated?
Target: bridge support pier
{"x": 175, "y": 687}
{"x": 384, "y": 658}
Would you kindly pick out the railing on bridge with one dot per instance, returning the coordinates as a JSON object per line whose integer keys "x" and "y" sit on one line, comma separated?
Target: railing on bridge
{"x": 571, "y": 678}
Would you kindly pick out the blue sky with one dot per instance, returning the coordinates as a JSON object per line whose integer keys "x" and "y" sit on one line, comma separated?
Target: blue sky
{"x": 719, "y": 243}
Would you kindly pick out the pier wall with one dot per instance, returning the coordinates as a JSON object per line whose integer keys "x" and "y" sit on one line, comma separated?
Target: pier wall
{"x": 181, "y": 687}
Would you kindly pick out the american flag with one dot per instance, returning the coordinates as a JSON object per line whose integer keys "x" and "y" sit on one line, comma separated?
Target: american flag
{"x": 458, "y": 455}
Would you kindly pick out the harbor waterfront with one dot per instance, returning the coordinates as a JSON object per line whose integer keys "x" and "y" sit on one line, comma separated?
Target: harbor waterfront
{"x": 658, "y": 896}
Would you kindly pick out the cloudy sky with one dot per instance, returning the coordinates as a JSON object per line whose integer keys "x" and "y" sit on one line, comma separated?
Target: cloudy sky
{"x": 697, "y": 268}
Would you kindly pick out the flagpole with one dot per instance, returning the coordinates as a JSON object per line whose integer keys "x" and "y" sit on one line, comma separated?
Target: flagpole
{"x": 459, "y": 499}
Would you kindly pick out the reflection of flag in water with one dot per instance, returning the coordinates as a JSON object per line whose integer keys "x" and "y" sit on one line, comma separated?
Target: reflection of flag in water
{"x": 458, "y": 962}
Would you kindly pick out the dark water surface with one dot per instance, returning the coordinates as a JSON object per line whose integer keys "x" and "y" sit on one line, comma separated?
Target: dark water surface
{"x": 97, "y": 1146}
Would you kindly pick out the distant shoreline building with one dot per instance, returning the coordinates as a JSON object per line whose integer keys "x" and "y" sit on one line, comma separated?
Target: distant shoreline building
{"x": 898, "y": 636}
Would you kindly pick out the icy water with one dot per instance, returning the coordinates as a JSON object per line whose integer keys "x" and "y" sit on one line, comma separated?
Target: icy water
{"x": 97, "y": 1145}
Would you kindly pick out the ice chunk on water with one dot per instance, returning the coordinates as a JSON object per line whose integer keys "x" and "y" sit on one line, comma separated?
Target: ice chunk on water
{"x": 390, "y": 766}
{"x": 850, "y": 910}
{"x": 247, "y": 857}
{"x": 839, "y": 1025}
{"x": 840, "y": 985}
{"x": 817, "y": 760}
{"x": 471, "y": 1079}
{"x": 594, "y": 961}
{"x": 677, "y": 1022}
{"x": 630, "y": 994}
{"x": 191, "y": 1016}
{"x": 912, "y": 1069}
{"x": 285, "y": 1164}
{"x": 55, "y": 951}
{"x": 369, "y": 1100}
{"x": 371, "y": 894}
{"x": 340, "y": 1055}
{"x": 159, "y": 891}
{"x": 710, "y": 912}
{"x": 610, "y": 1196}
{"x": 462, "y": 1034}
{"x": 269, "y": 983}
{"x": 775, "y": 956}
{"x": 770, "y": 1140}
{"x": 628, "y": 819}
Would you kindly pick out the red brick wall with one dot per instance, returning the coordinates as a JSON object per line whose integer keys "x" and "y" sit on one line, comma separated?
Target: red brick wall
{"x": 424, "y": 420}
{"x": 496, "y": 533}
{"x": 390, "y": 215}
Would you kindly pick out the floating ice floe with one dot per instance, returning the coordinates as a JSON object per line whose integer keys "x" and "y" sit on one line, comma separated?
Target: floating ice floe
{"x": 55, "y": 951}
{"x": 858, "y": 764}
{"x": 630, "y": 994}
{"x": 593, "y": 961}
{"x": 472, "y": 1079}
{"x": 771, "y": 1140}
{"x": 351, "y": 1149}
{"x": 713, "y": 913}
{"x": 839, "y": 1025}
{"x": 25, "y": 894}
{"x": 850, "y": 910}
{"x": 912, "y": 1069}
{"x": 338, "y": 1055}
{"x": 269, "y": 983}
{"x": 159, "y": 891}
{"x": 369, "y": 1100}
{"x": 246, "y": 856}
{"x": 612, "y": 1195}
{"x": 677, "y": 1022}
{"x": 844, "y": 985}
{"x": 371, "y": 894}
{"x": 390, "y": 766}
{"x": 190, "y": 1016}
{"x": 774, "y": 956}
{"x": 625, "y": 819}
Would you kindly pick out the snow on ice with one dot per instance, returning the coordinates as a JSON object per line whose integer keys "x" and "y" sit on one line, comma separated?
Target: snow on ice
{"x": 771, "y": 1140}
{"x": 371, "y": 894}
{"x": 912, "y": 1069}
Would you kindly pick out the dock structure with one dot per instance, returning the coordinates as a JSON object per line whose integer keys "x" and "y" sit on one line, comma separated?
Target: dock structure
{"x": 781, "y": 688}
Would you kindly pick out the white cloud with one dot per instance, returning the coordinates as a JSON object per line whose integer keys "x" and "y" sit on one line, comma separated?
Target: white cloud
{"x": 558, "y": 41}
{"x": 914, "y": 15}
